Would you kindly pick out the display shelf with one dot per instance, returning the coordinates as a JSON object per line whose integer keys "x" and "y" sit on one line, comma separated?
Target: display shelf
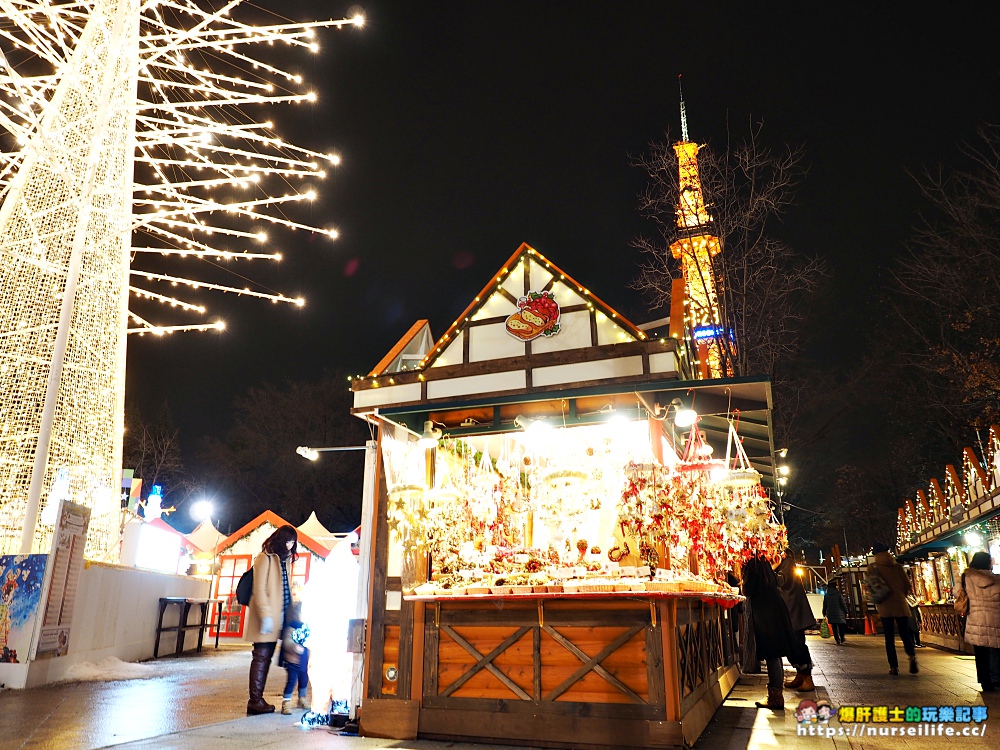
{"x": 723, "y": 600}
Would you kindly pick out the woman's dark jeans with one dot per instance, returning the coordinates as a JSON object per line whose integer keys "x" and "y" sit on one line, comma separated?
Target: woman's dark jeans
{"x": 889, "y": 625}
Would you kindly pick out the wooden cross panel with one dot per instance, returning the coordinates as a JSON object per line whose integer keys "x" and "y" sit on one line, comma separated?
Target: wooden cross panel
{"x": 544, "y": 663}
{"x": 496, "y": 663}
{"x": 699, "y": 651}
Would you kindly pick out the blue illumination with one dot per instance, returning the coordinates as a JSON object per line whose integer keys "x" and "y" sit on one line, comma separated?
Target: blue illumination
{"x": 705, "y": 333}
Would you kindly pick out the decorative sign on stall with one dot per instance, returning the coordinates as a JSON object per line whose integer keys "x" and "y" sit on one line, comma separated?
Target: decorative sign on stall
{"x": 21, "y": 579}
{"x": 67, "y": 562}
{"x": 537, "y": 315}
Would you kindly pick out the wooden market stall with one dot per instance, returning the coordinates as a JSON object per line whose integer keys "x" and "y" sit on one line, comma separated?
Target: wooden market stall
{"x": 523, "y": 587}
{"x": 939, "y": 531}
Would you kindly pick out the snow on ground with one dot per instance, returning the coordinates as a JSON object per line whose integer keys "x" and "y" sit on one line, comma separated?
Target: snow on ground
{"x": 109, "y": 668}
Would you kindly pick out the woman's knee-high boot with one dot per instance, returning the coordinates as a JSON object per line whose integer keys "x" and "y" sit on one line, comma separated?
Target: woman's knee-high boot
{"x": 260, "y": 662}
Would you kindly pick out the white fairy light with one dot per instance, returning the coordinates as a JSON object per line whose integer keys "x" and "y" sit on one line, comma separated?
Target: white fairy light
{"x": 135, "y": 146}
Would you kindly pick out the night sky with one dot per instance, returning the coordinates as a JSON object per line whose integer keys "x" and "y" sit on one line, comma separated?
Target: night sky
{"x": 467, "y": 128}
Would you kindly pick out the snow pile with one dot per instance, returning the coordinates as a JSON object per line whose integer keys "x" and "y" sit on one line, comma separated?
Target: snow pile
{"x": 110, "y": 668}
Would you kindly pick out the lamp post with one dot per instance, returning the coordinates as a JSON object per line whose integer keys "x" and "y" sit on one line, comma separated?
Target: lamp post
{"x": 201, "y": 511}
{"x": 365, "y": 550}
{"x": 780, "y": 482}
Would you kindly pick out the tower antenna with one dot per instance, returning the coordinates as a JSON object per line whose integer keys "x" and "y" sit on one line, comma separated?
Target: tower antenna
{"x": 684, "y": 117}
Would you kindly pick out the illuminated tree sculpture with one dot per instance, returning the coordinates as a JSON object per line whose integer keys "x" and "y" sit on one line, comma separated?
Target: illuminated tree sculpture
{"x": 129, "y": 141}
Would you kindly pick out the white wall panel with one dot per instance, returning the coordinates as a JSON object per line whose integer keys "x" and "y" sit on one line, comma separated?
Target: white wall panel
{"x": 502, "y": 381}
{"x": 495, "y": 306}
{"x": 663, "y": 362}
{"x": 586, "y": 371}
{"x": 493, "y": 342}
{"x": 452, "y": 354}
{"x": 389, "y": 394}
{"x": 540, "y": 276}
{"x": 574, "y": 333}
{"x": 609, "y": 332}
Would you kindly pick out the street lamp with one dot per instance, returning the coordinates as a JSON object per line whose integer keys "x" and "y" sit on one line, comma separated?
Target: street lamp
{"x": 361, "y": 610}
{"x": 313, "y": 453}
{"x": 201, "y": 510}
{"x": 780, "y": 482}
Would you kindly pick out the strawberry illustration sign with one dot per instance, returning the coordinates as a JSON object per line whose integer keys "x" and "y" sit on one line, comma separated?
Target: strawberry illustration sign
{"x": 537, "y": 315}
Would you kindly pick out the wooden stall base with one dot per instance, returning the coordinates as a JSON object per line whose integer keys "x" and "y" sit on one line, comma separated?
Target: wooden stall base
{"x": 541, "y": 728}
{"x": 698, "y": 716}
{"x": 389, "y": 719}
{"x": 544, "y": 729}
{"x": 638, "y": 673}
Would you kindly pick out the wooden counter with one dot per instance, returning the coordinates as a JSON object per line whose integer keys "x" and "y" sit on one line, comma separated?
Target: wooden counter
{"x": 579, "y": 670}
{"x": 941, "y": 625}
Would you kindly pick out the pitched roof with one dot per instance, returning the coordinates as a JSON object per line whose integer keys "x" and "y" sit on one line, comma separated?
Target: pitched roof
{"x": 534, "y": 330}
{"x": 205, "y": 536}
{"x": 527, "y": 270}
{"x": 270, "y": 517}
{"x": 313, "y": 527}
{"x": 409, "y": 350}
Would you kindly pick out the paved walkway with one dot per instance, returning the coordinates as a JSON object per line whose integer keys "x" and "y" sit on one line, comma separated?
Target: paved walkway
{"x": 197, "y": 702}
{"x": 856, "y": 675}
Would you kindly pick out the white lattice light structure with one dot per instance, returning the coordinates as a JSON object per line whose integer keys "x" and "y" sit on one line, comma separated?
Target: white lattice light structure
{"x": 129, "y": 143}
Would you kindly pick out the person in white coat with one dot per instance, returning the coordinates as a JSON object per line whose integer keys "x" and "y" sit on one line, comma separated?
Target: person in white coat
{"x": 982, "y": 625}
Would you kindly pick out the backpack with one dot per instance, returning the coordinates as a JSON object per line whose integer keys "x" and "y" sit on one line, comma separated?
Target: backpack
{"x": 878, "y": 588}
{"x": 244, "y": 589}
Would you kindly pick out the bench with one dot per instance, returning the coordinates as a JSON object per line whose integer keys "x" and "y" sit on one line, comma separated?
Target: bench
{"x": 184, "y": 609}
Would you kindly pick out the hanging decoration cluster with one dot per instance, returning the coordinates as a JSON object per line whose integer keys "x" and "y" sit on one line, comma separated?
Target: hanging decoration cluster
{"x": 709, "y": 512}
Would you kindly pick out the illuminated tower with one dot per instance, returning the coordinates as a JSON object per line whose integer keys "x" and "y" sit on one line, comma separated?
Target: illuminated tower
{"x": 695, "y": 248}
{"x": 127, "y": 138}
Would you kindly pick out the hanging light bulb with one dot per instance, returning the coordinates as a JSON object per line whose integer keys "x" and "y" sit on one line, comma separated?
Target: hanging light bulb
{"x": 685, "y": 417}
{"x": 431, "y": 435}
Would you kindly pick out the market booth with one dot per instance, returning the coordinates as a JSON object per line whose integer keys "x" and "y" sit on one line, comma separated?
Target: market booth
{"x": 940, "y": 530}
{"x": 550, "y": 544}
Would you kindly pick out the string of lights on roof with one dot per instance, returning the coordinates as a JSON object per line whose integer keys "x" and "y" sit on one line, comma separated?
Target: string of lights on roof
{"x": 206, "y": 168}
{"x": 592, "y": 303}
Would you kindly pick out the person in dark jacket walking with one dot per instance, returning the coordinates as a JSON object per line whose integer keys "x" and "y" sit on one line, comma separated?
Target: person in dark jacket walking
{"x": 771, "y": 625}
{"x": 889, "y": 586}
{"x": 835, "y": 611}
{"x": 794, "y": 594}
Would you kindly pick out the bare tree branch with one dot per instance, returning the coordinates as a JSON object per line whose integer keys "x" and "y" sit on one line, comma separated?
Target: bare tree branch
{"x": 763, "y": 285}
{"x": 946, "y": 291}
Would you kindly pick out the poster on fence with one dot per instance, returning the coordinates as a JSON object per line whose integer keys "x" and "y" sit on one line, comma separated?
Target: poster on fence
{"x": 21, "y": 578}
{"x": 66, "y": 563}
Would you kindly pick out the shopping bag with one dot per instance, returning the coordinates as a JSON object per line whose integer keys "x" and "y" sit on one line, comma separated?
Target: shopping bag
{"x": 824, "y": 629}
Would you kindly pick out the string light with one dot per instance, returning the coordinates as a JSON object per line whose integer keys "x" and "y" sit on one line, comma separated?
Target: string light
{"x": 136, "y": 142}
{"x": 627, "y": 332}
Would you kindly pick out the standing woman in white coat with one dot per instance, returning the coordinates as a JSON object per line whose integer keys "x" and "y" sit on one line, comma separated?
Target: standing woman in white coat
{"x": 982, "y": 625}
{"x": 272, "y": 595}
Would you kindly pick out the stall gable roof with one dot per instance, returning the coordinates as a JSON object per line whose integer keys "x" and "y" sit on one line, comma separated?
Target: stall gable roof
{"x": 585, "y": 320}
{"x": 270, "y": 517}
{"x": 408, "y": 351}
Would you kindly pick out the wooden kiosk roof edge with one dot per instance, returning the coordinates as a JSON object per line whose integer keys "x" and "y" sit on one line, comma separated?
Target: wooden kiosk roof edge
{"x": 399, "y": 347}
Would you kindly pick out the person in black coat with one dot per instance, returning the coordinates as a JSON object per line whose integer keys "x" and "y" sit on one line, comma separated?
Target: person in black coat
{"x": 794, "y": 594}
{"x": 835, "y": 610}
{"x": 771, "y": 625}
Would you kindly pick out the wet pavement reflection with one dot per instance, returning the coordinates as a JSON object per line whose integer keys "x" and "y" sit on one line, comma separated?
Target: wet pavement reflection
{"x": 183, "y": 692}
